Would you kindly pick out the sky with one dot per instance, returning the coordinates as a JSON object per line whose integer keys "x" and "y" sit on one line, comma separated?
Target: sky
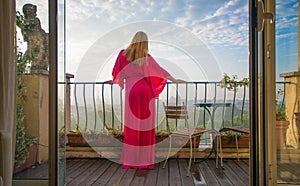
{"x": 197, "y": 40}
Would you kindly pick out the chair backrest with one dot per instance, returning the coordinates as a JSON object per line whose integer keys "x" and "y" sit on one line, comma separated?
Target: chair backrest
{"x": 175, "y": 112}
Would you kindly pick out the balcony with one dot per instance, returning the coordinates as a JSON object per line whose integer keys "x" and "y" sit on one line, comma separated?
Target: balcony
{"x": 95, "y": 107}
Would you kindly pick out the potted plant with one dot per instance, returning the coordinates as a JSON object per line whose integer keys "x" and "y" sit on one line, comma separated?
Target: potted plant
{"x": 26, "y": 146}
{"x": 281, "y": 122}
{"x": 83, "y": 138}
{"x": 177, "y": 141}
{"x": 229, "y": 137}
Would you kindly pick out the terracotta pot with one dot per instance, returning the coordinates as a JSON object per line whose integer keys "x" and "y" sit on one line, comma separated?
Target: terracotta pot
{"x": 78, "y": 140}
{"x": 31, "y": 159}
{"x": 229, "y": 141}
{"x": 281, "y": 128}
{"x": 177, "y": 141}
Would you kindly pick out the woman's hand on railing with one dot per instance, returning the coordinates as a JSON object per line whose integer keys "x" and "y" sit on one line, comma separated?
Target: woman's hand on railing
{"x": 109, "y": 82}
{"x": 179, "y": 81}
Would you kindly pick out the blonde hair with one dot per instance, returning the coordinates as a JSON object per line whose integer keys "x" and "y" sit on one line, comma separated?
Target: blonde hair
{"x": 137, "y": 51}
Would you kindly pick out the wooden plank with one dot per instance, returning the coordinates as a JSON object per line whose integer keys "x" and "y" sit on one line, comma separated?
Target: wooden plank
{"x": 208, "y": 175}
{"x": 104, "y": 178}
{"x": 163, "y": 176}
{"x": 116, "y": 178}
{"x": 127, "y": 177}
{"x": 220, "y": 175}
{"x": 151, "y": 178}
{"x": 288, "y": 172}
{"x": 244, "y": 166}
{"x": 138, "y": 180}
{"x": 71, "y": 162}
{"x": 82, "y": 154}
{"x": 39, "y": 171}
{"x": 161, "y": 152}
{"x": 174, "y": 173}
{"x": 159, "y": 148}
{"x": 233, "y": 175}
{"x": 97, "y": 173}
{"x": 88, "y": 171}
{"x": 246, "y": 161}
{"x": 76, "y": 166}
{"x": 233, "y": 150}
{"x": 196, "y": 174}
{"x": 238, "y": 171}
{"x": 183, "y": 166}
{"x": 95, "y": 164}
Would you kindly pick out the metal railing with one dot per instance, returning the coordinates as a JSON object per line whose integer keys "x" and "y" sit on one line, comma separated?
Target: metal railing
{"x": 97, "y": 106}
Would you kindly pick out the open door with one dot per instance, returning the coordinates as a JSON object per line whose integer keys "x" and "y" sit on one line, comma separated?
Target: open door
{"x": 274, "y": 71}
{"x": 262, "y": 93}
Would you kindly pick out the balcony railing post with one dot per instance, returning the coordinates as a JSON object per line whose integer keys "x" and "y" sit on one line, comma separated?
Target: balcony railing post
{"x": 68, "y": 102}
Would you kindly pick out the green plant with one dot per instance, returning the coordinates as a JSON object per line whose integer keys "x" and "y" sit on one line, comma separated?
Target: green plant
{"x": 231, "y": 135}
{"x": 22, "y": 140}
{"x": 280, "y": 107}
{"x": 281, "y": 115}
{"x": 231, "y": 83}
{"x": 94, "y": 134}
{"x": 162, "y": 133}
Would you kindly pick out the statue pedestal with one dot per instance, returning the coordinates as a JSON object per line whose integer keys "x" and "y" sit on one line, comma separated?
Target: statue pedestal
{"x": 35, "y": 104}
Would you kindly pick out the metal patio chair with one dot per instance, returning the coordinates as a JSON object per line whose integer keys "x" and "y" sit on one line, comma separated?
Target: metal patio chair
{"x": 177, "y": 112}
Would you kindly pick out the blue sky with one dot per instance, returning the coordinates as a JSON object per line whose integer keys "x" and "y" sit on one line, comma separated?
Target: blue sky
{"x": 286, "y": 36}
{"x": 219, "y": 25}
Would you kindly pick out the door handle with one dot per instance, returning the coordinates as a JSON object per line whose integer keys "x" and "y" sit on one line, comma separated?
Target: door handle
{"x": 262, "y": 16}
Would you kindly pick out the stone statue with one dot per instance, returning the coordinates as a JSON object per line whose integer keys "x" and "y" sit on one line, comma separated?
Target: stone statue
{"x": 37, "y": 40}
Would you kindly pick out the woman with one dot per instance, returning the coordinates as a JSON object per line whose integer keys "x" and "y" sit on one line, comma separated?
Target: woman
{"x": 144, "y": 81}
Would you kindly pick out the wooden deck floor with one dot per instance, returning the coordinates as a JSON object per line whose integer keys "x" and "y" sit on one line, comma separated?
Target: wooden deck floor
{"x": 105, "y": 172}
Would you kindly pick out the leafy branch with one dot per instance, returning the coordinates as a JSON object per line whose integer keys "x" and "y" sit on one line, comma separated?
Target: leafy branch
{"x": 232, "y": 83}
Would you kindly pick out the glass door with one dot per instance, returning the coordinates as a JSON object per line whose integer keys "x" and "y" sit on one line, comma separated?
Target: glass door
{"x": 262, "y": 91}
{"x": 40, "y": 142}
{"x": 287, "y": 91}
{"x": 32, "y": 128}
{"x": 274, "y": 93}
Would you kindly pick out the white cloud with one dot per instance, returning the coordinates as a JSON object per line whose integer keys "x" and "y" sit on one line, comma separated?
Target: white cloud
{"x": 287, "y": 35}
{"x": 286, "y": 22}
{"x": 219, "y": 24}
{"x": 286, "y": 8}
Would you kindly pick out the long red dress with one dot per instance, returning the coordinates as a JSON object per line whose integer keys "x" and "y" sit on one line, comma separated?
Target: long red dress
{"x": 142, "y": 85}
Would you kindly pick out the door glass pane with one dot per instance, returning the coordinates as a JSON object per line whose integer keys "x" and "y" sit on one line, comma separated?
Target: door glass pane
{"x": 287, "y": 87}
{"x": 33, "y": 80}
{"x": 63, "y": 104}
